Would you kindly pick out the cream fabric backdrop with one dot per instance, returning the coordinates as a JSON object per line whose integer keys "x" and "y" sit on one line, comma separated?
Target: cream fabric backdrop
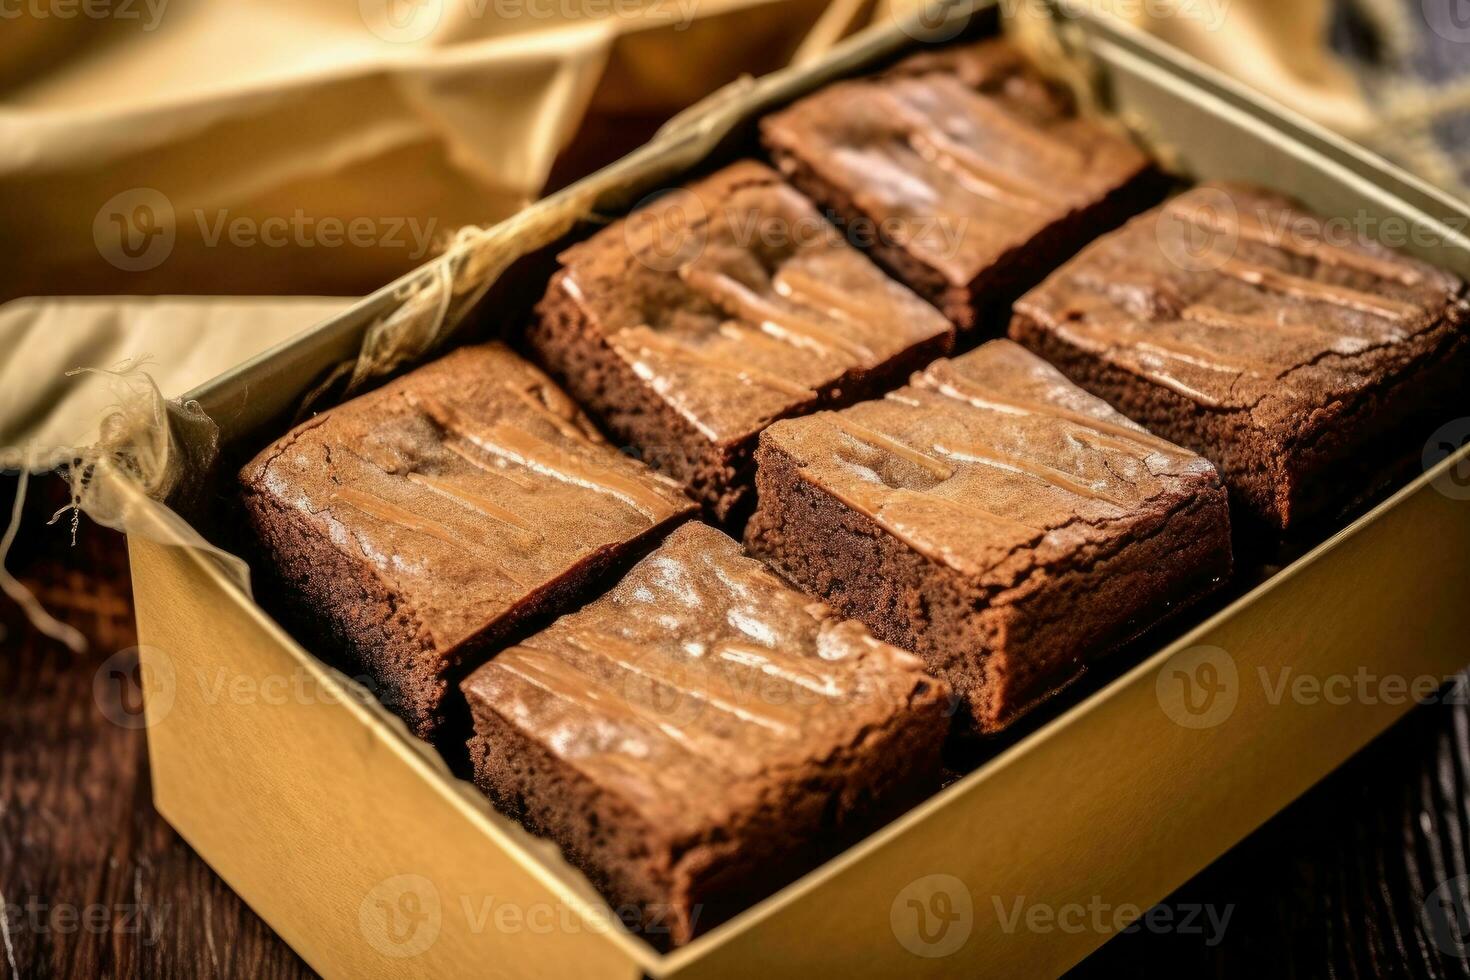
{"x": 284, "y": 119}
{"x": 309, "y": 147}
{"x": 321, "y": 147}
{"x": 186, "y": 339}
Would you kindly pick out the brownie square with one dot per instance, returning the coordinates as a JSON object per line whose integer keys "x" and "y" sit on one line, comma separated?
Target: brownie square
{"x": 1295, "y": 354}
{"x": 703, "y": 734}
{"x": 692, "y": 324}
{"x": 995, "y": 519}
{"x": 963, "y": 172}
{"x": 413, "y": 529}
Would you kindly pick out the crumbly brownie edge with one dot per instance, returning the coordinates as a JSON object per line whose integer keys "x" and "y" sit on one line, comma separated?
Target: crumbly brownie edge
{"x": 684, "y": 887}
{"x": 346, "y": 614}
{"x": 1247, "y": 457}
{"x": 847, "y": 560}
{"x": 718, "y": 475}
{"x": 1276, "y": 485}
{"x": 1165, "y": 566}
{"x": 862, "y": 384}
{"x": 969, "y": 635}
{"x": 355, "y": 621}
{"x": 991, "y": 294}
{"x": 838, "y": 206}
{"x": 1354, "y": 448}
{"x": 573, "y": 351}
{"x": 978, "y": 307}
{"x": 598, "y": 832}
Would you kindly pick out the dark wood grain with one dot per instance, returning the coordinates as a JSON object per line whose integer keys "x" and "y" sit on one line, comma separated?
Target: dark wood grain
{"x": 1335, "y": 886}
{"x": 95, "y": 883}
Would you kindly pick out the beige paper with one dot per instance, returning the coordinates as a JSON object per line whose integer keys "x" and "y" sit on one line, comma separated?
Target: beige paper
{"x": 326, "y": 146}
{"x": 181, "y": 340}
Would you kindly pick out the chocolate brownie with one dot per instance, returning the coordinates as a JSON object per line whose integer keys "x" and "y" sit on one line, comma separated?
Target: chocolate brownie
{"x": 703, "y": 734}
{"x": 964, "y": 172}
{"x": 994, "y": 518}
{"x": 1297, "y": 356}
{"x": 692, "y": 324}
{"x": 412, "y": 529}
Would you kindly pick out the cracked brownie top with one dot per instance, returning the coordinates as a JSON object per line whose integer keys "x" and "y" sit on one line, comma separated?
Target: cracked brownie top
{"x": 738, "y": 302}
{"x": 992, "y": 463}
{"x": 700, "y": 681}
{"x": 1238, "y": 300}
{"x": 466, "y": 486}
{"x": 959, "y": 157}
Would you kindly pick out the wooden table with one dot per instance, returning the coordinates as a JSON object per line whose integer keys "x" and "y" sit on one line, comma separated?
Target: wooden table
{"x": 95, "y": 883}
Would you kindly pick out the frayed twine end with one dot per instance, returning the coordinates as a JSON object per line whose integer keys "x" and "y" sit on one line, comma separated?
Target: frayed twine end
{"x": 13, "y": 587}
{"x": 137, "y": 438}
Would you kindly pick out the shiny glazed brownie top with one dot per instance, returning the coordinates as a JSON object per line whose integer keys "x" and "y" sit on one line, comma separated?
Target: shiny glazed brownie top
{"x": 1232, "y": 296}
{"x": 466, "y": 485}
{"x": 992, "y": 463}
{"x": 737, "y": 301}
{"x": 700, "y": 681}
{"x": 957, "y": 159}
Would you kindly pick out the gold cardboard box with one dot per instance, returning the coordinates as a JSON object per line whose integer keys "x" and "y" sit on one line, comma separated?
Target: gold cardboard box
{"x": 362, "y": 852}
